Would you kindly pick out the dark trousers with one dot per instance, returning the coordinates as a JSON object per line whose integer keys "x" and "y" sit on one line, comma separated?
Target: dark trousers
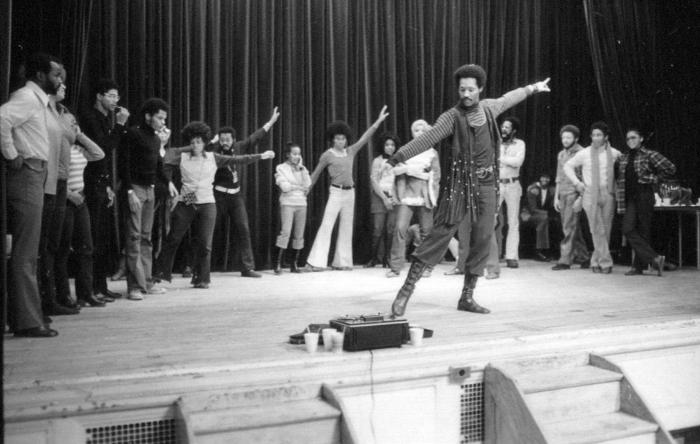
{"x": 232, "y": 206}
{"x": 203, "y": 216}
{"x": 25, "y": 203}
{"x": 540, "y": 220}
{"x": 77, "y": 237}
{"x": 101, "y": 222}
{"x": 383, "y": 226}
{"x": 51, "y": 231}
{"x": 636, "y": 227}
{"x": 479, "y": 232}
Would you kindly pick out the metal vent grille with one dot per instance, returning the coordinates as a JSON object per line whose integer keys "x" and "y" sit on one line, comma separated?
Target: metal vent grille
{"x": 161, "y": 431}
{"x": 472, "y": 412}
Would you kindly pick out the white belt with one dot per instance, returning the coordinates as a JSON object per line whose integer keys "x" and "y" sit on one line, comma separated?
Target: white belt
{"x": 227, "y": 190}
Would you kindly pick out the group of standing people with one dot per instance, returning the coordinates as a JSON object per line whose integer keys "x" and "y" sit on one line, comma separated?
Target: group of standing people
{"x": 62, "y": 181}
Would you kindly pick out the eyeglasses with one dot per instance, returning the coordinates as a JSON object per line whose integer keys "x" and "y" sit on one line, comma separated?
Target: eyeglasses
{"x": 112, "y": 96}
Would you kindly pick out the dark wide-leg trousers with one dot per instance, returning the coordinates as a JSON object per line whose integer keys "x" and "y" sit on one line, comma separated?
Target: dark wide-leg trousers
{"x": 479, "y": 232}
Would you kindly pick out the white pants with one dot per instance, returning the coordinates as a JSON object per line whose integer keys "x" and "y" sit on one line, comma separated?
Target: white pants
{"x": 511, "y": 194}
{"x": 600, "y": 223}
{"x": 339, "y": 202}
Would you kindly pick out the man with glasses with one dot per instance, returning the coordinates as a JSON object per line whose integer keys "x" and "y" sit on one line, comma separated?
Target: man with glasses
{"x": 104, "y": 123}
{"x": 638, "y": 170}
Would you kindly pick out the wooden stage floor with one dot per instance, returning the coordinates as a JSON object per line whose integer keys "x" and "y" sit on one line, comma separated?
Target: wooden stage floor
{"x": 235, "y": 333}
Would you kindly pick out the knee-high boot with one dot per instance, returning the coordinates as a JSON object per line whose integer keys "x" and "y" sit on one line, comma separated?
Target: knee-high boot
{"x": 278, "y": 261}
{"x": 466, "y": 301}
{"x": 294, "y": 268}
{"x": 414, "y": 274}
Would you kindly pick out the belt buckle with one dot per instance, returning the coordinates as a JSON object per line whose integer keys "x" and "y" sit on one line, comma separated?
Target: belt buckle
{"x": 482, "y": 173}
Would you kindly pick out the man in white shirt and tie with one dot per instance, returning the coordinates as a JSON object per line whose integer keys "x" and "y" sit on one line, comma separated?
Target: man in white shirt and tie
{"x": 510, "y": 190}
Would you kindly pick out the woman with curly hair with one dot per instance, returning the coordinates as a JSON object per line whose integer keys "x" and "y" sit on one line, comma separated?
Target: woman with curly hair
{"x": 338, "y": 159}
{"x": 196, "y": 202}
{"x": 382, "y": 201}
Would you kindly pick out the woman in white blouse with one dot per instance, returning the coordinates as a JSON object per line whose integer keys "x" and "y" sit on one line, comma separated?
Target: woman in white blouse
{"x": 294, "y": 181}
{"x": 195, "y": 202}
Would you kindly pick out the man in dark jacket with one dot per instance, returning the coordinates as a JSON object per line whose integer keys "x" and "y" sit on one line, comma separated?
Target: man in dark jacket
{"x": 539, "y": 207}
{"x": 227, "y": 191}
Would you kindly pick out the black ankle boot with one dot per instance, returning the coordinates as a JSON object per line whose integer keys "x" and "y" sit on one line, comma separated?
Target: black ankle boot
{"x": 414, "y": 274}
{"x": 467, "y": 302}
{"x": 294, "y": 268}
{"x": 278, "y": 261}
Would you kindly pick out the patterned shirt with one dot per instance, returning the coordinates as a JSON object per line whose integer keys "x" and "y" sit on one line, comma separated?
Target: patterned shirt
{"x": 650, "y": 166}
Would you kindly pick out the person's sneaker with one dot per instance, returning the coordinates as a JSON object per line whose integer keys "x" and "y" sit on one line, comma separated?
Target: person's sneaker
{"x": 512, "y": 263}
{"x": 453, "y": 272}
{"x": 561, "y": 267}
{"x": 135, "y": 295}
{"x": 157, "y": 290}
{"x": 634, "y": 272}
{"x": 187, "y": 272}
{"x": 202, "y": 285}
{"x": 392, "y": 274}
{"x": 250, "y": 274}
{"x": 490, "y": 275}
{"x": 427, "y": 273}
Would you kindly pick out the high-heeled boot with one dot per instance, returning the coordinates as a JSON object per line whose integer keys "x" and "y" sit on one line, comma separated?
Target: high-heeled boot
{"x": 414, "y": 274}
{"x": 466, "y": 301}
{"x": 278, "y": 261}
{"x": 294, "y": 268}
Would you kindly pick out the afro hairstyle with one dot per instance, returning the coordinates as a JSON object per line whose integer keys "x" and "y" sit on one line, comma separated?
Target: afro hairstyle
{"x": 473, "y": 71}
{"x": 338, "y": 127}
{"x": 196, "y": 129}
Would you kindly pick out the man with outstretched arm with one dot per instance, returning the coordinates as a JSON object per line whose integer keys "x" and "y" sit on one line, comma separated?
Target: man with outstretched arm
{"x": 471, "y": 180}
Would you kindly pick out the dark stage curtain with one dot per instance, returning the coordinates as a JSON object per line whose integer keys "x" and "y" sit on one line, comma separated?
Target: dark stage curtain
{"x": 641, "y": 61}
{"x": 230, "y": 62}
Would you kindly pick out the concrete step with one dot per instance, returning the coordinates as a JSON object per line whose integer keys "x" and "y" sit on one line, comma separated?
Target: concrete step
{"x": 542, "y": 381}
{"x": 571, "y": 402}
{"x": 308, "y": 421}
{"x": 611, "y": 428}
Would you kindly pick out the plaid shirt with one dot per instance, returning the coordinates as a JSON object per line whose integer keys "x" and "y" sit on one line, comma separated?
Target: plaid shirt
{"x": 650, "y": 166}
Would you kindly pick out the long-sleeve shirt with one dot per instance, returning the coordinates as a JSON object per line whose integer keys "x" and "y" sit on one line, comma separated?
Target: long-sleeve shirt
{"x": 446, "y": 123}
{"x": 650, "y": 167}
{"x": 419, "y": 186}
{"x": 105, "y": 132}
{"x": 566, "y": 186}
{"x": 340, "y": 164}
{"x": 582, "y": 160}
{"x": 294, "y": 181}
{"x": 23, "y": 130}
{"x": 512, "y": 158}
{"x": 474, "y": 146}
{"x": 79, "y": 158}
{"x": 229, "y": 176}
{"x": 198, "y": 172}
{"x": 140, "y": 161}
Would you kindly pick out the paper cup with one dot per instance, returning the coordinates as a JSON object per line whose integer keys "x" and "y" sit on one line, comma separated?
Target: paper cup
{"x": 311, "y": 342}
{"x": 338, "y": 339}
{"x": 327, "y": 334}
{"x": 416, "y": 336}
